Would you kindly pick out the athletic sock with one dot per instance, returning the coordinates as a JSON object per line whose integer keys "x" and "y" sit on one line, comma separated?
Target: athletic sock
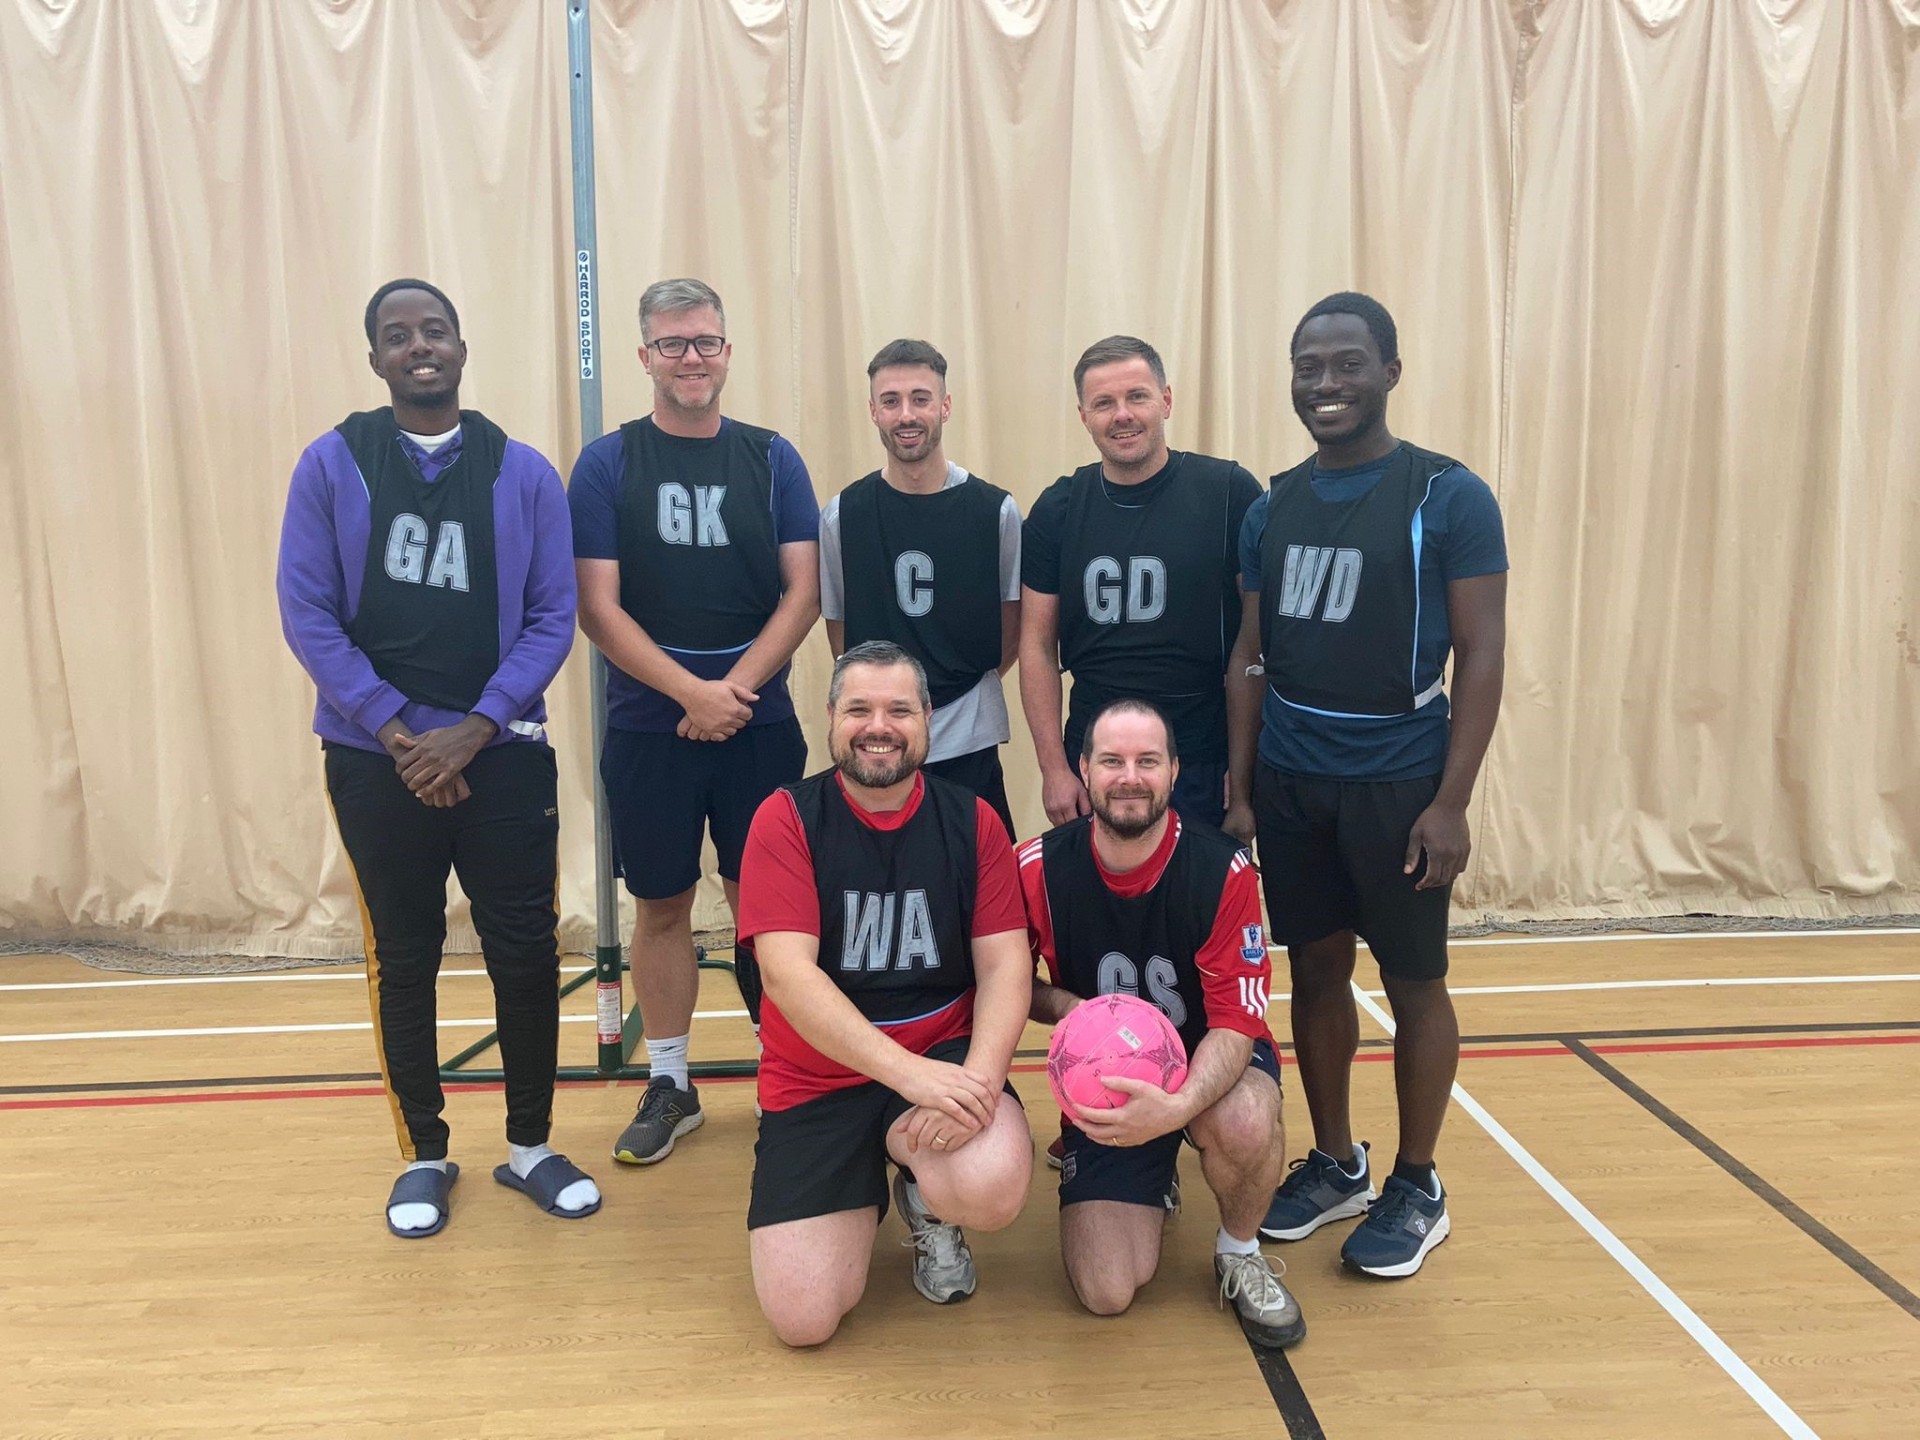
{"x": 418, "y": 1215}
{"x": 1225, "y": 1244}
{"x": 668, "y": 1057}
{"x": 1359, "y": 1164}
{"x": 577, "y": 1196}
{"x": 1424, "y": 1176}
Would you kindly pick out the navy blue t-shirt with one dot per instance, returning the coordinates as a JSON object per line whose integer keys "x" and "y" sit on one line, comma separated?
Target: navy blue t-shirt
{"x": 593, "y": 496}
{"x": 1462, "y": 536}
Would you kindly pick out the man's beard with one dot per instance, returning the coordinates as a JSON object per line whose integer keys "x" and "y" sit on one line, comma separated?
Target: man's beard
{"x": 1131, "y": 829}
{"x": 877, "y": 772}
{"x": 929, "y": 442}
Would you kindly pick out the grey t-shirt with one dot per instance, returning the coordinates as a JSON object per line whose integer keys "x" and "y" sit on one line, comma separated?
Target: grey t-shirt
{"x": 978, "y": 718}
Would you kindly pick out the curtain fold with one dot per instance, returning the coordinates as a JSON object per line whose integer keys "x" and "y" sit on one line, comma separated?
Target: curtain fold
{"x": 1656, "y": 268}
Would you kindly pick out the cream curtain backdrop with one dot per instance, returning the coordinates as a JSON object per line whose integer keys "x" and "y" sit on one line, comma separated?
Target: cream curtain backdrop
{"x": 1656, "y": 267}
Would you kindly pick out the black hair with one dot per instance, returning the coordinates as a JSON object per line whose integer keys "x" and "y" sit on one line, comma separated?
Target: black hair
{"x": 1370, "y": 312}
{"x": 908, "y": 352}
{"x": 373, "y": 305}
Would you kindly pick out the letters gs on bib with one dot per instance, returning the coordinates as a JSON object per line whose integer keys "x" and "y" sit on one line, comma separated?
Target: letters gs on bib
{"x": 1142, "y": 598}
{"x": 407, "y": 553}
{"x": 692, "y": 517}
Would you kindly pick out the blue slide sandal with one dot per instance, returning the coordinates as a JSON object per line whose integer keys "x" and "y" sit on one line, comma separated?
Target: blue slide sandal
{"x": 544, "y": 1184}
{"x": 423, "y": 1187}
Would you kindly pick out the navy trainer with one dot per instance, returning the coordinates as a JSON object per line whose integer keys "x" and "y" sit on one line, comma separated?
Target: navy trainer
{"x": 1403, "y": 1225}
{"x": 1315, "y": 1193}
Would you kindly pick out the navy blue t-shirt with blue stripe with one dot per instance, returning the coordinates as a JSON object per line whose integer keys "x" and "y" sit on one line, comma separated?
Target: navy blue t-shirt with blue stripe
{"x": 1461, "y": 536}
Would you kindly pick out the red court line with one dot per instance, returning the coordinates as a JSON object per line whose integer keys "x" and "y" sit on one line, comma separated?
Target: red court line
{"x": 1517, "y": 1052}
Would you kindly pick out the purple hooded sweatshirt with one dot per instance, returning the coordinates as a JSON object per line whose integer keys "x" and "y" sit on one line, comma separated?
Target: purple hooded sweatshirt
{"x": 323, "y": 553}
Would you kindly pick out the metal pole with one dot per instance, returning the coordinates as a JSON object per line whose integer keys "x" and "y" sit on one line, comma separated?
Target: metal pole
{"x": 609, "y": 1000}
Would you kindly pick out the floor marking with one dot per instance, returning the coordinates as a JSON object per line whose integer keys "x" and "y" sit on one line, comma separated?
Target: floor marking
{"x": 1703, "y": 1334}
{"x": 175, "y": 1034}
{"x": 1612, "y": 937}
{"x": 1823, "y": 1237}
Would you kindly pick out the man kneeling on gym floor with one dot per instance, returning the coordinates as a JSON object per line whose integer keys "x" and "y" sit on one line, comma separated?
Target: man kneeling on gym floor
{"x": 886, "y": 914}
{"x": 1136, "y": 899}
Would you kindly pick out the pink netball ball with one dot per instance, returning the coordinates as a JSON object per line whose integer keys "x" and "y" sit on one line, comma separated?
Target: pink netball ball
{"x": 1112, "y": 1035}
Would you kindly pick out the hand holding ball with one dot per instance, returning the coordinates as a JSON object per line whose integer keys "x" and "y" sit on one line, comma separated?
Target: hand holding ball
{"x": 1112, "y": 1035}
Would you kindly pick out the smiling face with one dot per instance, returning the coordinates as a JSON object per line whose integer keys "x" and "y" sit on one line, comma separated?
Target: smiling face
{"x": 1128, "y": 773}
{"x": 1125, "y": 410}
{"x": 690, "y": 384}
{"x": 417, "y": 350}
{"x": 1340, "y": 385}
{"x": 910, "y": 407}
{"x": 877, "y": 729}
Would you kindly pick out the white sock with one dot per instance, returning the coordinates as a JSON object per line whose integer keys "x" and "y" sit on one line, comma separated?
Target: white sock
{"x": 1225, "y": 1244}
{"x": 577, "y": 1196}
{"x": 668, "y": 1057}
{"x": 417, "y": 1216}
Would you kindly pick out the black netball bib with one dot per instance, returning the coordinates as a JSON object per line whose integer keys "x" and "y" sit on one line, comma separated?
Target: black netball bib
{"x": 1144, "y": 945}
{"x": 924, "y": 572}
{"x": 429, "y": 612}
{"x": 896, "y": 906}
{"x": 699, "y": 562}
{"x": 1340, "y": 590}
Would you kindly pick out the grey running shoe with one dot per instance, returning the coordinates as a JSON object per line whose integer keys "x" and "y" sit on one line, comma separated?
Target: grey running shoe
{"x": 1171, "y": 1201}
{"x": 666, "y": 1113}
{"x": 943, "y": 1270}
{"x": 1316, "y": 1192}
{"x": 1268, "y": 1313}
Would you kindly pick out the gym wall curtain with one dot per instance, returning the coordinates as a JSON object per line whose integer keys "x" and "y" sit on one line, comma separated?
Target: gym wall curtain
{"x": 1656, "y": 266}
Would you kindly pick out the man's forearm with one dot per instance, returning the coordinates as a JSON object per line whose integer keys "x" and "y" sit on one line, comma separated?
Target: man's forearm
{"x": 620, "y": 638}
{"x": 1478, "y": 680}
{"x": 1003, "y": 993}
{"x": 773, "y": 647}
{"x": 823, "y": 1016}
{"x": 1243, "y": 726}
{"x": 1050, "y": 1003}
{"x": 1040, "y": 698}
{"x": 1216, "y": 1065}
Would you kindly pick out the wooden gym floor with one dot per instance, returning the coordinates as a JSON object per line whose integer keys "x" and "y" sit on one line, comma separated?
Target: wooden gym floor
{"x": 1685, "y": 1188}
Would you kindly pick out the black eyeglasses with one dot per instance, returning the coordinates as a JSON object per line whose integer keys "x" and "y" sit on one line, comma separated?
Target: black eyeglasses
{"x": 672, "y": 347}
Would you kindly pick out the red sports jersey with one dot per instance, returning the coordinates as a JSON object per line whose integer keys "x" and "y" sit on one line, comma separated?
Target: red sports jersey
{"x": 1234, "y": 968}
{"x": 778, "y": 893}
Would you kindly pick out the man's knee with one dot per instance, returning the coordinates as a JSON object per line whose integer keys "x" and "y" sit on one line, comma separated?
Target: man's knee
{"x": 803, "y": 1325}
{"x": 1103, "y": 1293}
{"x": 1322, "y": 964}
{"x": 1243, "y": 1124}
{"x": 657, "y": 917}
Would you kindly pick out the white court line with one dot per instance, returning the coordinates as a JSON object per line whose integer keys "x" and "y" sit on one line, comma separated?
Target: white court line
{"x": 1611, "y": 938}
{"x": 1703, "y": 1334}
{"x": 356, "y": 974}
{"x": 308, "y": 1029}
{"x": 740, "y": 1014}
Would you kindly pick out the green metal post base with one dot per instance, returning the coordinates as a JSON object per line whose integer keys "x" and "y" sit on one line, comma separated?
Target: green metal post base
{"x": 615, "y": 1056}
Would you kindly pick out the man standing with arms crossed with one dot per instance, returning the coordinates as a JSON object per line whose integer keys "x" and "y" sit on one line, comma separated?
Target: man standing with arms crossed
{"x": 925, "y": 555}
{"x": 424, "y": 585}
{"x": 1127, "y": 570}
{"x": 695, "y": 542}
{"x": 1361, "y": 567}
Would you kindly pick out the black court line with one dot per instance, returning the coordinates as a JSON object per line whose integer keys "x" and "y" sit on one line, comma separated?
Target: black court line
{"x": 111, "y": 1086}
{"x": 1295, "y": 1409}
{"x": 1556, "y": 1037}
{"x": 1812, "y": 1228}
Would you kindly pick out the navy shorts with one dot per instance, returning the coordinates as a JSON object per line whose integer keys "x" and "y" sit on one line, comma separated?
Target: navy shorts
{"x": 829, "y": 1153}
{"x": 979, "y": 772}
{"x": 664, "y": 792}
{"x": 1138, "y": 1174}
{"x": 1332, "y": 858}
